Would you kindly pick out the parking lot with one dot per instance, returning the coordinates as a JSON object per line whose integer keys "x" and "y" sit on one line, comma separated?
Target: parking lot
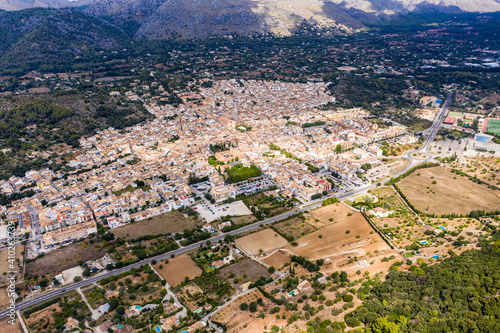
{"x": 255, "y": 185}
{"x": 213, "y": 212}
{"x": 448, "y": 148}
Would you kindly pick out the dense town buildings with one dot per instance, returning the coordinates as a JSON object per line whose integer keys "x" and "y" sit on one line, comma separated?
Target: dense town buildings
{"x": 284, "y": 129}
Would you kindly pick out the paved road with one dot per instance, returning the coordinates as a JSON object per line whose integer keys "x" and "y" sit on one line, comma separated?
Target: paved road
{"x": 94, "y": 279}
{"x": 437, "y": 124}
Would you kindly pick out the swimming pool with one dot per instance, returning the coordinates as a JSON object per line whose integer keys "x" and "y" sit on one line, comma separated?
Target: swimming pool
{"x": 138, "y": 307}
{"x": 438, "y": 101}
{"x": 482, "y": 138}
{"x": 423, "y": 242}
{"x": 291, "y": 293}
{"x": 158, "y": 329}
{"x": 197, "y": 311}
{"x": 442, "y": 228}
{"x": 435, "y": 257}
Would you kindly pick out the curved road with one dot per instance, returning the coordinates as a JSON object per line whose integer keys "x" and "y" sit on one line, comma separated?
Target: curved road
{"x": 311, "y": 205}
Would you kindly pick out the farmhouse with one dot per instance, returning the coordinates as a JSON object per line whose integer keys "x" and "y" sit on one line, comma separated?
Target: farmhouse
{"x": 304, "y": 285}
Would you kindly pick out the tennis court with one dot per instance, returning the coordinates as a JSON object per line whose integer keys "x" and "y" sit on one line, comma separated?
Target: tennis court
{"x": 493, "y": 126}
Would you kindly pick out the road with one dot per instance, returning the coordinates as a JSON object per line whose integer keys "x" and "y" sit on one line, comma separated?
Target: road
{"x": 308, "y": 206}
{"x": 437, "y": 124}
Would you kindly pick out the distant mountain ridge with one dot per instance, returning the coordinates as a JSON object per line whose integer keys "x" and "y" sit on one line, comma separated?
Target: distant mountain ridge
{"x": 163, "y": 19}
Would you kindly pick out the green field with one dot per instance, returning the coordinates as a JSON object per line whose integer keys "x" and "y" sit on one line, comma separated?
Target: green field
{"x": 455, "y": 114}
{"x": 493, "y": 126}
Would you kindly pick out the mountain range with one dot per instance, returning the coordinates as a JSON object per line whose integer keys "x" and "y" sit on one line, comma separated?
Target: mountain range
{"x": 162, "y": 19}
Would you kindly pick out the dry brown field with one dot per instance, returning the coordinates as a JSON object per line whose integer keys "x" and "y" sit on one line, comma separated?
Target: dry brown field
{"x": 5, "y": 327}
{"x": 191, "y": 302}
{"x": 4, "y": 298}
{"x": 339, "y": 247}
{"x": 277, "y": 260}
{"x": 448, "y": 195}
{"x": 177, "y": 269}
{"x": 485, "y": 168}
{"x": 64, "y": 258}
{"x": 248, "y": 267}
{"x": 337, "y": 212}
{"x": 266, "y": 240}
{"x": 42, "y": 316}
{"x": 294, "y": 227}
{"x": 334, "y": 240}
{"x": 5, "y": 265}
{"x": 162, "y": 224}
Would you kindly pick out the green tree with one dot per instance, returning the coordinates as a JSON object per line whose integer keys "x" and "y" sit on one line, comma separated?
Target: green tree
{"x": 382, "y": 325}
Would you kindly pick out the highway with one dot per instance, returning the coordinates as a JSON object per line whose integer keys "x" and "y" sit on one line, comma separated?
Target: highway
{"x": 308, "y": 206}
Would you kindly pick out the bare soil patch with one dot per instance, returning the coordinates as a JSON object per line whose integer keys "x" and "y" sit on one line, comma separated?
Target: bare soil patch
{"x": 65, "y": 257}
{"x": 42, "y": 316}
{"x": 337, "y": 212}
{"x": 5, "y": 327}
{"x": 247, "y": 267}
{"x": 4, "y": 299}
{"x": 295, "y": 228}
{"x": 439, "y": 191}
{"x": 351, "y": 237}
{"x": 266, "y": 240}
{"x": 161, "y": 224}
{"x": 5, "y": 265}
{"x": 277, "y": 260}
{"x": 177, "y": 269}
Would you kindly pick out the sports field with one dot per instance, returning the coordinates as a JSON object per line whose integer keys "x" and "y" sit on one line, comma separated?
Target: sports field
{"x": 493, "y": 126}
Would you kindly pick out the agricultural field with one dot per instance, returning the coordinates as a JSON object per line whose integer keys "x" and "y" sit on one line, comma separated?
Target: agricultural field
{"x": 52, "y": 318}
{"x": 266, "y": 240}
{"x": 4, "y": 298}
{"x": 402, "y": 225}
{"x": 190, "y": 295}
{"x": 162, "y": 224}
{"x": 438, "y": 191}
{"x": 66, "y": 257}
{"x": 5, "y": 265}
{"x": 243, "y": 271}
{"x": 294, "y": 228}
{"x": 41, "y": 317}
{"x": 342, "y": 244}
{"x": 324, "y": 216}
{"x": 484, "y": 168}
{"x": 277, "y": 260}
{"x": 6, "y": 327}
{"x": 177, "y": 269}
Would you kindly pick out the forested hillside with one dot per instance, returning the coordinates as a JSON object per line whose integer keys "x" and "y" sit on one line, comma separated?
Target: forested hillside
{"x": 53, "y": 38}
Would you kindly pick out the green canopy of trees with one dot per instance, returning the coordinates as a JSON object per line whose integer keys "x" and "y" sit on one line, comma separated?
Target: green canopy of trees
{"x": 458, "y": 295}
